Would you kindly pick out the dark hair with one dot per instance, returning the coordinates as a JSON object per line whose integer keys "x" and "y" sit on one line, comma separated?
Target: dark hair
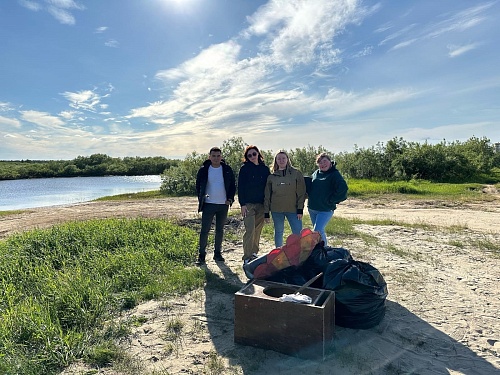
{"x": 216, "y": 149}
{"x": 248, "y": 148}
{"x": 323, "y": 155}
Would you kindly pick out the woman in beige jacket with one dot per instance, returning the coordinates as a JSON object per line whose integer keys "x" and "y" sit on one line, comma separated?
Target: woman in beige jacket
{"x": 284, "y": 197}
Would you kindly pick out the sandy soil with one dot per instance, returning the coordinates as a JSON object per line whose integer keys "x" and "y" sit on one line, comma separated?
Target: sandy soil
{"x": 442, "y": 310}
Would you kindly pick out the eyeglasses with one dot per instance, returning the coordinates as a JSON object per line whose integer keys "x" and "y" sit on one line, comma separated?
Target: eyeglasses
{"x": 251, "y": 154}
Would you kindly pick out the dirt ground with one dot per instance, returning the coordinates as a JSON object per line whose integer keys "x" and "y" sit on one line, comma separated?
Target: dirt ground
{"x": 442, "y": 310}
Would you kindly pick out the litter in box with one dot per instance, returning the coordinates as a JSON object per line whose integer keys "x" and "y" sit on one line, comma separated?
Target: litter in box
{"x": 296, "y": 297}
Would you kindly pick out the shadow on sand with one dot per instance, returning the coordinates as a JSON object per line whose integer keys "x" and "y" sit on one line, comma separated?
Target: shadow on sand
{"x": 402, "y": 343}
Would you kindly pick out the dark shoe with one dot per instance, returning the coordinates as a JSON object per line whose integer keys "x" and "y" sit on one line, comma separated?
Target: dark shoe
{"x": 218, "y": 257}
{"x": 201, "y": 260}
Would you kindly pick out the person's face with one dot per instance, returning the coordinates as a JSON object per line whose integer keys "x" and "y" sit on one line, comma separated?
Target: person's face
{"x": 215, "y": 158}
{"x": 281, "y": 160}
{"x": 253, "y": 156}
{"x": 324, "y": 164}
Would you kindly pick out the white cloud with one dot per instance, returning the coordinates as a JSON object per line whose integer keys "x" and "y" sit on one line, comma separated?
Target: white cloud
{"x": 297, "y": 30}
{"x": 212, "y": 60}
{"x": 62, "y": 15}
{"x": 455, "y": 51}
{"x": 83, "y": 100}
{"x": 69, "y": 115}
{"x": 11, "y": 122}
{"x": 5, "y": 107}
{"x": 112, "y": 43}
{"x": 59, "y": 9}
{"x": 42, "y": 119}
{"x": 216, "y": 87}
{"x": 101, "y": 29}
{"x": 31, "y": 5}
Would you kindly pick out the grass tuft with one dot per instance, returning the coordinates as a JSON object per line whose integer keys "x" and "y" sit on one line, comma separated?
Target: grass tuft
{"x": 60, "y": 286}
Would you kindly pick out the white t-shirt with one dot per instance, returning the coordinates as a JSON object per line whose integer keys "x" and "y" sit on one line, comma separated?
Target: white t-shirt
{"x": 216, "y": 192}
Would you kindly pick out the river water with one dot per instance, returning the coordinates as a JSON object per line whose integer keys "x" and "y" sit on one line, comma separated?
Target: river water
{"x": 42, "y": 192}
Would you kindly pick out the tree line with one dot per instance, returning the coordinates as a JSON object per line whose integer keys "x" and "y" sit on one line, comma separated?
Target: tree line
{"x": 95, "y": 165}
{"x": 474, "y": 160}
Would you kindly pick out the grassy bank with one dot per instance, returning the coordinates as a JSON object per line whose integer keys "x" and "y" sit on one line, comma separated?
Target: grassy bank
{"x": 415, "y": 189}
{"x": 61, "y": 286}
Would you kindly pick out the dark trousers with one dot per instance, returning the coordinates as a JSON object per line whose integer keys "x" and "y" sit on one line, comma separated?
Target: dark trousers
{"x": 209, "y": 211}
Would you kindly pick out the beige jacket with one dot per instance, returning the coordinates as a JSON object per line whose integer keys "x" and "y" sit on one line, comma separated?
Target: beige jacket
{"x": 285, "y": 192}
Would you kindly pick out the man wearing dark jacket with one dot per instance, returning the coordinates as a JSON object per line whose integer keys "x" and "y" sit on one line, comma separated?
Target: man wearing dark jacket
{"x": 215, "y": 187}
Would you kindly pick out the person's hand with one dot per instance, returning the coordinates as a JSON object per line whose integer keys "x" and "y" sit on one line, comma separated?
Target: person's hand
{"x": 299, "y": 216}
{"x": 244, "y": 211}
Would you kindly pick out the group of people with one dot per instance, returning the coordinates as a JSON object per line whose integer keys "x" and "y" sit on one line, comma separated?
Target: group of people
{"x": 264, "y": 193}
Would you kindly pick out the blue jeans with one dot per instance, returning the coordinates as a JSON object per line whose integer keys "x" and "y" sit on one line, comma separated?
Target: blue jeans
{"x": 319, "y": 220}
{"x": 279, "y": 225}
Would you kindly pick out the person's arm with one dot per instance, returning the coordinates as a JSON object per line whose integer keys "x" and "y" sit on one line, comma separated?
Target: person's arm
{"x": 198, "y": 182}
{"x": 242, "y": 187}
{"x": 301, "y": 193}
{"x": 267, "y": 198}
{"x": 338, "y": 188}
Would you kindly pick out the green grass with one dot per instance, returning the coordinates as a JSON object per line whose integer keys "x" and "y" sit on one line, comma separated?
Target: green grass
{"x": 60, "y": 286}
{"x": 416, "y": 190}
{"x": 11, "y": 212}
{"x": 128, "y": 196}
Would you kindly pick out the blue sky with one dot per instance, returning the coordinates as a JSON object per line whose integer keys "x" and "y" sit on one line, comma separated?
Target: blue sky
{"x": 168, "y": 77}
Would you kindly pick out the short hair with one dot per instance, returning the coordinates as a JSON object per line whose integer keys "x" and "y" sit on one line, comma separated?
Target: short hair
{"x": 215, "y": 149}
{"x": 323, "y": 155}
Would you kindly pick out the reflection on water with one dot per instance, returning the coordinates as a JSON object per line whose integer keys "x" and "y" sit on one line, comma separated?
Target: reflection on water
{"x": 41, "y": 192}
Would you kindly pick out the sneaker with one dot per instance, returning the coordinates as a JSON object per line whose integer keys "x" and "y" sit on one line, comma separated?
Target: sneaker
{"x": 254, "y": 256}
{"x": 201, "y": 260}
{"x": 218, "y": 257}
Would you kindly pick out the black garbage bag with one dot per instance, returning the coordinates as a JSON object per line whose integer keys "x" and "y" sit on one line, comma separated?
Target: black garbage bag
{"x": 318, "y": 260}
{"x": 360, "y": 293}
{"x": 333, "y": 253}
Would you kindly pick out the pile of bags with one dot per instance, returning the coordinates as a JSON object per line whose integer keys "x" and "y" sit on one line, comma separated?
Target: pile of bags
{"x": 360, "y": 289}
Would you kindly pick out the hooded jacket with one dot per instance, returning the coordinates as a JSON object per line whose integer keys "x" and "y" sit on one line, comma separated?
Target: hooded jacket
{"x": 326, "y": 189}
{"x": 202, "y": 179}
{"x": 285, "y": 192}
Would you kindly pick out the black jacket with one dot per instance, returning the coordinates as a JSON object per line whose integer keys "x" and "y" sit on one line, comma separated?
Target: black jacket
{"x": 202, "y": 179}
{"x": 252, "y": 182}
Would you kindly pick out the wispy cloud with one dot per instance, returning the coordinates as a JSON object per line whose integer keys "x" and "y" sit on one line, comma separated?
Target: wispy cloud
{"x": 449, "y": 23}
{"x": 300, "y": 32}
{"x": 112, "y": 43}
{"x": 455, "y": 51}
{"x": 86, "y": 100}
{"x": 5, "y": 107}
{"x": 31, "y": 5}
{"x": 219, "y": 87}
{"x": 43, "y": 119}
{"x": 59, "y": 9}
{"x": 101, "y": 29}
{"x": 10, "y": 122}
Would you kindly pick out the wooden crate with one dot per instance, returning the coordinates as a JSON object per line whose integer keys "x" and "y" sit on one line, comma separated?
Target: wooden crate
{"x": 262, "y": 320}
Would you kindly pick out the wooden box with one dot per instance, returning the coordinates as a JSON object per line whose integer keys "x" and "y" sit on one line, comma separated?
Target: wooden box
{"x": 262, "y": 320}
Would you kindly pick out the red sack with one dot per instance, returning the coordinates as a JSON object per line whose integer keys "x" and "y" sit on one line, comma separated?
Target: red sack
{"x": 295, "y": 251}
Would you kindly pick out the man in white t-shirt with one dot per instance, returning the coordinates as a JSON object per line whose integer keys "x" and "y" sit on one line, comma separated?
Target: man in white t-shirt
{"x": 215, "y": 187}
